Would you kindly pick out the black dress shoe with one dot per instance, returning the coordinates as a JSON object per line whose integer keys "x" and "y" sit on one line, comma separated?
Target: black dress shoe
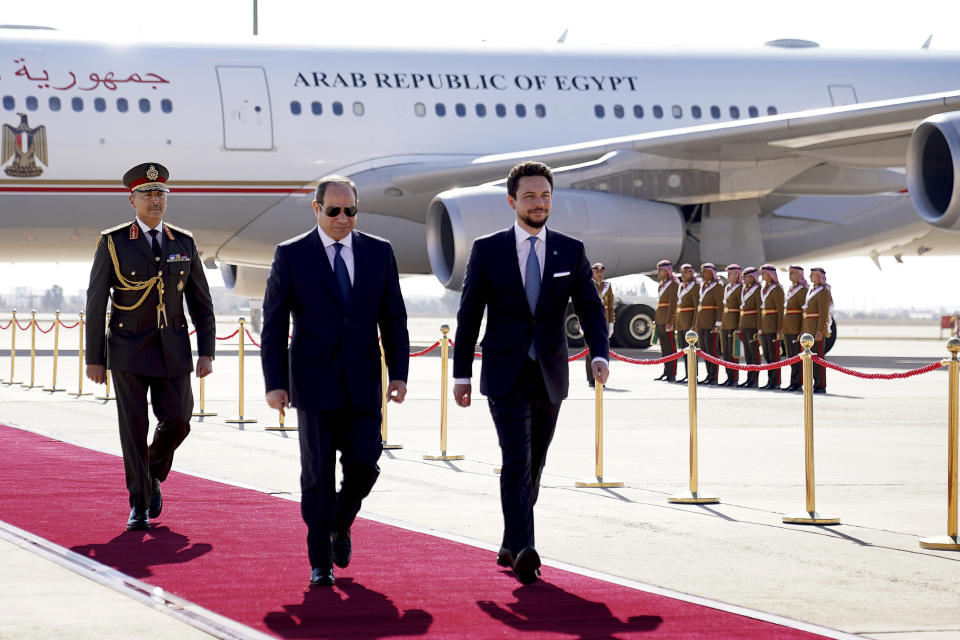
{"x": 749, "y": 384}
{"x": 681, "y": 381}
{"x": 671, "y": 378}
{"x": 819, "y": 389}
{"x": 526, "y": 565}
{"x": 342, "y": 548}
{"x": 662, "y": 376}
{"x": 322, "y": 577}
{"x": 138, "y": 520}
{"x": 792, "y": 387}
{"x": 504, "y": 558}
{"x": 156, "y": 500}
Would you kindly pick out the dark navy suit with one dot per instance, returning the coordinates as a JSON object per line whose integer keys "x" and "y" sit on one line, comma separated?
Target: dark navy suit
{"x": 332, "y": 370}
{"x": 524, "y": 395}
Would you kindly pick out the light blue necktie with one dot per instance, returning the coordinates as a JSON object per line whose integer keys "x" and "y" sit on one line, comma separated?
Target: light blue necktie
{"x": 532, "y": 286}
{"x": 340, "y": 272}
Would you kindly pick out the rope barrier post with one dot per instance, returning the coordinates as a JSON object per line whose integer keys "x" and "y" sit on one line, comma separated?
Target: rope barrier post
{"x": 950, "y": 542}
{"x": 599, "y": 483}
{"x": 444, "y": 354}
{"x": 33, "y": 351}
{"x": 107, "y": 397}
{"x": 56, "y": 352}
{"x": 203, "y": 413}
{"x": 280, "y": 426}
{"x": 80, "y": 392}
{"x": 810, "y": 516}
{"x": 240, "y": 420}
{"x": 693, "y": 496}
{"x": 13, "y": 349}
{"x": 384, "y": 375}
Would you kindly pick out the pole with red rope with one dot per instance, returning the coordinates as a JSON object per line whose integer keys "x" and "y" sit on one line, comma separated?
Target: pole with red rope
{"x": 56, "y": 352}
{"x": 80, "y": 392}
{"x": 444, "y": 354}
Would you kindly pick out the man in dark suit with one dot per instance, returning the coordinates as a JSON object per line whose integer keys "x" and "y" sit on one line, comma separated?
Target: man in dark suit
{"x": 151, "y": 267}
{"x": 524, "y": 371}
{"x": 340, "y": 286}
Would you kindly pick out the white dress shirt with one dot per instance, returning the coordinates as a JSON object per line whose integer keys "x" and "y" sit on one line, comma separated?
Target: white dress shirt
{"x": 146, "y": 232}
{"x": 346, "y": 252}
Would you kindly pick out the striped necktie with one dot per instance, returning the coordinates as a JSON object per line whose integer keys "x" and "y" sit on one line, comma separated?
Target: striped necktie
{"x": 532, "y": 286}
{"x": 341, "y": 274}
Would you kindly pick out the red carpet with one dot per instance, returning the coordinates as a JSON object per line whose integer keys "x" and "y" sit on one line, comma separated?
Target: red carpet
{"x": 242, "y": 554}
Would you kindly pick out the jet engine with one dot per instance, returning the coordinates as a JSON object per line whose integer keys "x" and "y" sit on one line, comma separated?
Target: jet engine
{"x": 626, "y": 234}
{"x": 933, "y": 163}
{"x": 246, "y": 282}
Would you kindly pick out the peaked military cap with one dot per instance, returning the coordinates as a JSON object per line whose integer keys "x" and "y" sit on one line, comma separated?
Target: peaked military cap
{"x": 149, "y": 176}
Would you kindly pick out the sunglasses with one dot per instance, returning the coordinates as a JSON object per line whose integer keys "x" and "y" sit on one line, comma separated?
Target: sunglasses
{"x": 333, "y": 212}
{"x": 599, "y": 269}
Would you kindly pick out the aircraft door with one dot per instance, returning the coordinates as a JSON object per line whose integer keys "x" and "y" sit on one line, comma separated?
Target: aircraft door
{"x": 842, "y": 94}
{"x": 245, "y": 100}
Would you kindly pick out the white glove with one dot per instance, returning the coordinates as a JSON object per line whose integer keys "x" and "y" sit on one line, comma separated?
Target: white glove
{"x": 609, "y": 329}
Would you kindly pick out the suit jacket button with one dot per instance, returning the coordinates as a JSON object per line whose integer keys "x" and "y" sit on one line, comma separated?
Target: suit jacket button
{"x": 133, "y": 273}
{"x": 159, "y": 273}
{"x": 119, "y": 324}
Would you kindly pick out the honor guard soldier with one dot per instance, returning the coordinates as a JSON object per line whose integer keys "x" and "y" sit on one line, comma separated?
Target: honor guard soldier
{"x": 687, "y": 297}
{"x": 606, "y": 297}
{"x": 708, "y": 317}
{"x": 749, "y": 322}
{"x": 730, "y": 321}
{"x": 771, "y": 321}
{"x": 147, "y": 268}
{"x": 792, "y": 319}
{"x": 816, "y": 321}
{"x": 664, "y": 317}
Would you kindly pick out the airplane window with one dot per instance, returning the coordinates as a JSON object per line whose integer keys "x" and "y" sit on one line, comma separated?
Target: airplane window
{"x": 122, "y": 105}
{"x": 295, "y": 107}
{"x": 501, "y": 111}
{"x": 696, "y": 112}
{"x": 54, "y": 103}
{"x": 771, "y": 111}
{"x": 734, "y": 112}
{"x": 166, "y": 105}
{"x": 715, "y": 112}
{"x": 440, "y": 109}
{"x": 481, "y": 110}
{"x": 144, "y": 105}
{"x": 337, "y": 108}
{"x": 541, "y": 111}
{"x": 677, "y": 111}
{"x": 358, "y": 109}
{"x": 637, "y": 111}
{"x": 420, "y": 109}
{"x": 9, "y": 103}
{"x": 460, "y": 109}
{"x": 100, "y": 105}
{"x": 598, "y": 110}
{"x": 77, "y": 104}
{"x": 316, "y": 108}
{"x": 657, "y": 111}
{"x": 753, "y": 111}
{"x": 521, "y": 111}
{"x": 32, "y": 103}
{"x": 618, "y": 110}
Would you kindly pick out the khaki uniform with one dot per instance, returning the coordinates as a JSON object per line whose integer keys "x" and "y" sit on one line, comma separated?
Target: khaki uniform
{"x": 687, "y": 298}
{"x": 792, "y": 320}
{"x": 708, "y": 324}
{"x": 816, "y": 319}
{"x": 729, "y": 323}
{"x": 749, "y": 322}
{"x": 666, "y": 314}
{"x": 605, "y": 291}
{"x": 771, "y": 323}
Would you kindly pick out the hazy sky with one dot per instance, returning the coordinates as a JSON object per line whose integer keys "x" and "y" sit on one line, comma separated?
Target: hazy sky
{"x": 845, "y": 24}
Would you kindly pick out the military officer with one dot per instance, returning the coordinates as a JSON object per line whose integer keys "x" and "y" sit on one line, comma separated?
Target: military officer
{"x": 664, "y": 317}
{"x": 687, "y": 297}
{"x": 148, "y": 267}
{"x": 606, "y": 297}
{"x": 708, "y": 317}
{"x": 816, "y": 321}
{"x": 792, "y": 319}
{"x": 749, "y": 322}
{"x": 771, "y": 321}
{"x": 730, "y": 321}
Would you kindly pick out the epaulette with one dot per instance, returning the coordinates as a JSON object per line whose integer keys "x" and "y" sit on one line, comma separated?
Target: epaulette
{"x": 116, "y": 228}
{"x": 178, "y": 229}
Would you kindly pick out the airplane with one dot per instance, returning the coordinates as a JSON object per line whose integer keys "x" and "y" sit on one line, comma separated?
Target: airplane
{"x": 781, "y": 154}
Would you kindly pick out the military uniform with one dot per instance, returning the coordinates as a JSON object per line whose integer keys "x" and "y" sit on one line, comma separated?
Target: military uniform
{"x": 687, "y": 297}
{"x": 749, "y": 323}
{"x": 816, "y": 319}
{"x": 708, "y": 324}
{"x": 147, "y": 345}
{"x": 792, "y": 320}
{"x": 665, "y": 315}
{"x": 605, "y": 291}
{"x": 729, "y": 323}
{"x": 771, "y": 323}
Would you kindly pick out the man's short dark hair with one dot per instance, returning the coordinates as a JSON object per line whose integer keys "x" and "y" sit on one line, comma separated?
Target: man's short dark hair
{"x": 326, "y": 181}
{"x": 524, "y": 170}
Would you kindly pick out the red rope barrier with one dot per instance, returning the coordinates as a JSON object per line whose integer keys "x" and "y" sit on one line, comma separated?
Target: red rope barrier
{"x": 578, "y": 356}
{"x": 425, "y": 351}
{"x": 749, "y": 367}
{"x": 75, "y": 324}
{"x": 255, "y": 343}
{"x": 663, "y": 360}
{"x": 933, "y": 366}
{"x": 21, "y": 327}
{"x": 229, "y": 336}
{"x": 6, "y": 327}
{"x": 48, "y": 330}
{"x": 476, "y": 354}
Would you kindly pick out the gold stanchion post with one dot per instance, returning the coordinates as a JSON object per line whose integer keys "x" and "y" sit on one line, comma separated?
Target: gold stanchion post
{"x": 203, "y": 413}
{"x": 13, "y": 349}
{"x": 56, "y": 353}
{"x": 810, "y": 516}
{"x": 80, "y": 392}
{"x": 444, "y": 351}
{"x": 240, "y": 420}
{"x": 950, "y": 542}
{"x": 693, "y": 496}
{"x": 280, "y": 426}
{"x": 33, "y": 351}
{"x": 599, "y": 483}
{"x": 384, "y": 381}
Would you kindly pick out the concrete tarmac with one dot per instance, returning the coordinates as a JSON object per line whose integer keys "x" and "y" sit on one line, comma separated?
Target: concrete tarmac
{"x": 880, "y": 467}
